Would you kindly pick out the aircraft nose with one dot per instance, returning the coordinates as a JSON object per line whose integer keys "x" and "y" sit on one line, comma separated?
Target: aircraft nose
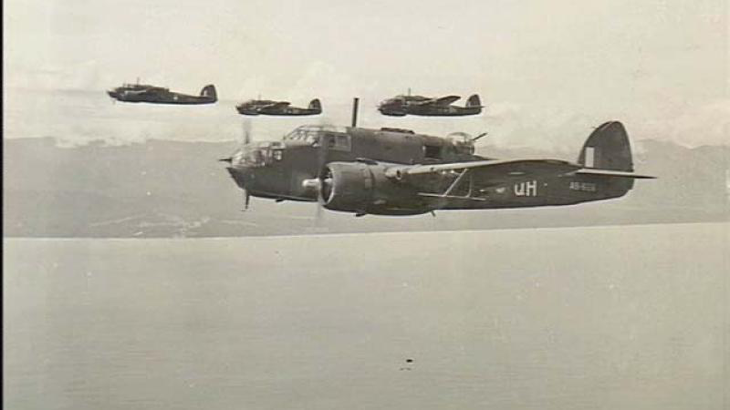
{"x": 242, "y": 175}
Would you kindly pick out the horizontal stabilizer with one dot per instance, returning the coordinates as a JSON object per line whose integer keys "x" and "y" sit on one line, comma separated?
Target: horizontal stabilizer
{"x": 611, "y": 173}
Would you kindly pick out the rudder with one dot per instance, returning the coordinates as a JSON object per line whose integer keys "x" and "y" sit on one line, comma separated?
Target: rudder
{"x": 474, "y": 101}
{"x": 209, "y": 91}
{"x": 315, "y": 105}
{"x": 608, "y": 148}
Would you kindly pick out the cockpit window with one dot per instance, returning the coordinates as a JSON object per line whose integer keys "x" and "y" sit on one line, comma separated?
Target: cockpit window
{"x": 310, "y": 132}
{"x": 342, "y": 142}
{"x": 334, "y": 138}
{"x": 306, "y": 135}
{"x": 432, "y": 151}
{"x": 259, "y": 154}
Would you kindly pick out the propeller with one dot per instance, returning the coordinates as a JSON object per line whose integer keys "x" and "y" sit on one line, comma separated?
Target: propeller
{"x": 246, "y": 141}
{"x": 246, "y": 199}
{"x": 246, "y": 131}
{"x": 322, "y": 151}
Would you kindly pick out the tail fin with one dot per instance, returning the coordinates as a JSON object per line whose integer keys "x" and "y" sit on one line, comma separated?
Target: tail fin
{"x": 474, "y": 101}
{"x": 209, "y": 91}
{"x": 607, "y": 151}
{"x": 315, "y": 105}
{"x": 607, "y": 148}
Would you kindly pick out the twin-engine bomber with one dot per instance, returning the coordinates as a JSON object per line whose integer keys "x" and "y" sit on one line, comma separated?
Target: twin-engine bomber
{"x": 145, "y": 93}
{"x": 403, "y": 105}
{"x": 283, "y": 108}
{"x": 398, "y": 172}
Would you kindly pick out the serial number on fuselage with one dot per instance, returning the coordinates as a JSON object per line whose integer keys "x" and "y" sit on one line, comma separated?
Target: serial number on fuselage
{"x": 583, "y": 186}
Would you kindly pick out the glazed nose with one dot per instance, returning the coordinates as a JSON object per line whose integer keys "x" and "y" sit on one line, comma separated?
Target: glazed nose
{"x": 242, "y": 175}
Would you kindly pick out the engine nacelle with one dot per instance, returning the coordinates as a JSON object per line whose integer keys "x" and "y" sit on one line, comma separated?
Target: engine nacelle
{"x": 364, "y": 188}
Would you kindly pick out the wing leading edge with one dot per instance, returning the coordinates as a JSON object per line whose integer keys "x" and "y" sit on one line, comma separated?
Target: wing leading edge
{"x": 442, "y": 101}
{"x": 497, "y": 172}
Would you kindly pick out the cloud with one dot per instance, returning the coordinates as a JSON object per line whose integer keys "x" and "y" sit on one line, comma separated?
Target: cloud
{"x": 707, "y": 124}
{"x": 82, "y": 76}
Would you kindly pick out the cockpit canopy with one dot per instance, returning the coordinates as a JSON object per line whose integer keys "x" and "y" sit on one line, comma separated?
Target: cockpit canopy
{"x": 259, "y": 154}
{"x": 311, "y": 133}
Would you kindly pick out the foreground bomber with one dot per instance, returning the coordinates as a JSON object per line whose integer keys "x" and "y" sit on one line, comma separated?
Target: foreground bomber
{"x": 398, "y": 172}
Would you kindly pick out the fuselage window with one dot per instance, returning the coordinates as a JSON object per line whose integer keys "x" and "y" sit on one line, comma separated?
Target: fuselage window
{"x": 342, "y": 142}
{"x": 432, "y": 151}
{"x": 329, "y": 140}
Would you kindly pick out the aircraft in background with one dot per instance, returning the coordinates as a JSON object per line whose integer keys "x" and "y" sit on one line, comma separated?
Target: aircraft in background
{"x": 403, "y": 105}
{"x": 136, "y": 93}
{"x": 284, "y": 108}
{"x": 392, "y": 171}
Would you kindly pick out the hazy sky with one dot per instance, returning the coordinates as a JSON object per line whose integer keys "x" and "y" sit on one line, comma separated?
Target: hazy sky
{"x": 661, "y": 64}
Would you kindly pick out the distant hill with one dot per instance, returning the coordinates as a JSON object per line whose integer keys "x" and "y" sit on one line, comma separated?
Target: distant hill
{"x": 178, "y": 189}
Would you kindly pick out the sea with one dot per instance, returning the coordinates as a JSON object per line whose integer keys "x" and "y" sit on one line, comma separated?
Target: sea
{"x": 622, "y": 317}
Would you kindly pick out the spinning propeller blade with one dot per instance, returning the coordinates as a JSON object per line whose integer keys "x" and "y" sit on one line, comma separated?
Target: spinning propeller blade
{"x": 322, "y": 150}
{"x": 246, "y": 131}
{"x": 246, "y": 199}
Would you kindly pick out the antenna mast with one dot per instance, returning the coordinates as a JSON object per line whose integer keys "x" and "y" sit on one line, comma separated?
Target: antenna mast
{"x": 355, "y": 103}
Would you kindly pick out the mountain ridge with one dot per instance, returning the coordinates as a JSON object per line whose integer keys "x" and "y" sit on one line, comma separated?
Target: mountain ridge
{"x": 167, "y": 188}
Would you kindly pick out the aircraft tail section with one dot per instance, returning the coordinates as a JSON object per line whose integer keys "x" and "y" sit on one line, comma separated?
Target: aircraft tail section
{"x": 606, "y": 156}
{"x": 474, "y": 101}
{"x": 315, "y": 105}
{"x": 209, "y": 91}
{"x": 607, "y": 148}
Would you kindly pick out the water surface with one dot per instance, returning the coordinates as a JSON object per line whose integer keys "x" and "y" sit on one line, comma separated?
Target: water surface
{"x": 576, "y": 318}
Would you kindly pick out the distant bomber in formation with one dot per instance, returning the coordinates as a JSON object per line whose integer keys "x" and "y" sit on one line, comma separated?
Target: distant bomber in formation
{"x": 392, "y": 171}
{"x": 402, "y": 105}
{"x": 145, "y": 93}
{"x": 268, "y": 107}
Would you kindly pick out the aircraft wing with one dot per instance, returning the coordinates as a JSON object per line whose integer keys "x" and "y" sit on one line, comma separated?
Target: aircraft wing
{"x": 279, "y": 104}
{"x": 493, "y": 171}
{"x": 138, "y": 92}
{"x": 481, "y": 175}
{"x": 448, "y": 100}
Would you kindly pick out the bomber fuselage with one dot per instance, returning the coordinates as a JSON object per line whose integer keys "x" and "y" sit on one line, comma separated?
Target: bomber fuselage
{"x": 428, "y": 110}
{"x": 359, "y": 158}
{"x": 137, "y": 93}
